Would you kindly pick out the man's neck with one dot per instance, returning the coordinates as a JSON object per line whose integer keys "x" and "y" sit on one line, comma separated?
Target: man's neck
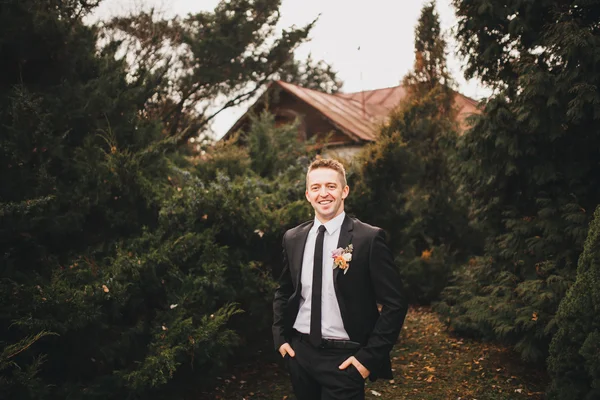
{"x": 331, "y": 219}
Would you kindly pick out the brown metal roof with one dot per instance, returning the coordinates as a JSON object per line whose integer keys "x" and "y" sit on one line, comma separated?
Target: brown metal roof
{"x": 344, "y": 113}
{"x": 359, "y": 114}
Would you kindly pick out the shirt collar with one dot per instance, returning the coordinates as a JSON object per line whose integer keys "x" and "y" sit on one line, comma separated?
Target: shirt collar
{"x": 332, "y": 225}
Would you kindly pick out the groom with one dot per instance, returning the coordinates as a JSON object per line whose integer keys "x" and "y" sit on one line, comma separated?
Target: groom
{"x": 336, "y": 270}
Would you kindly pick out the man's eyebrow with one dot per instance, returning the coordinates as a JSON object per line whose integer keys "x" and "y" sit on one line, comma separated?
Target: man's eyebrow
{"x": 326, "y": 183}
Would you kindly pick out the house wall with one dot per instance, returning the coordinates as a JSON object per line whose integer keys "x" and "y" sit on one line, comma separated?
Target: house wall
{"x": 313, "y": 124}
{"x": 343, "y": 152}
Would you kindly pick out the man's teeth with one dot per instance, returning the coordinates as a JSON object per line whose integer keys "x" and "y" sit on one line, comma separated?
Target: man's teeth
{"x": 325, "y": 202}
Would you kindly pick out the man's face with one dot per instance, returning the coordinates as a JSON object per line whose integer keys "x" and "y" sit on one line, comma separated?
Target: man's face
{"x": 325, "y": 193}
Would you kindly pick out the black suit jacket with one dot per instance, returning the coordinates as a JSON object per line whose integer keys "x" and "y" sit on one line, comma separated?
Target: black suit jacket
{"x": 371, "y": 279}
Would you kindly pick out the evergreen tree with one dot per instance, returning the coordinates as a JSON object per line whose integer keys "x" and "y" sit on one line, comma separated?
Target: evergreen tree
{"x": 430, "y": 70}
{"x": 122, "y": 276}
{"x": 529, "y": 164}
{"x": 80, "y": 172}
{"x": 207, "y": 62}
{"x": 573, "y": 363}
{"x": 406, "y": 173}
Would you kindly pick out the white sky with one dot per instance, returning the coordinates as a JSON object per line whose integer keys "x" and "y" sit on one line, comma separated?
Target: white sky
{"x": 383, "y": 29}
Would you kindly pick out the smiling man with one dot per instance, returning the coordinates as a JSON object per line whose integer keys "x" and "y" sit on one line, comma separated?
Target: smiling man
{"x": 336, "y": 270}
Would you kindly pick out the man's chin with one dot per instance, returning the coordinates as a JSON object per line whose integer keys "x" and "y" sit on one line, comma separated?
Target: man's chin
{"x": 326, "y": 216}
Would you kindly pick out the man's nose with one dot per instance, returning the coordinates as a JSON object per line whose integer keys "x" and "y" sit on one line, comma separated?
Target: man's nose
{"x": 323, "y": 191}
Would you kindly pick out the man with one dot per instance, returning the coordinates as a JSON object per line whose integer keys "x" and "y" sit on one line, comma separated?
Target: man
{"x": 336, "y": 270}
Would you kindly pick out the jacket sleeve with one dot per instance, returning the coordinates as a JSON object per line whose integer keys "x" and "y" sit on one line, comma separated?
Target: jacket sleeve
{"x": 280, "y": 301}
{"x": 388, "y": 292}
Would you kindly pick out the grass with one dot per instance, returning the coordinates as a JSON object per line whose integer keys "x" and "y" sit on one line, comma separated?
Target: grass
{"x": 429, "y": 364}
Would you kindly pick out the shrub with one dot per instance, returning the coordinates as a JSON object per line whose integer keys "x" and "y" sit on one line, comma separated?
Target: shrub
{"x": 574, "y": 364}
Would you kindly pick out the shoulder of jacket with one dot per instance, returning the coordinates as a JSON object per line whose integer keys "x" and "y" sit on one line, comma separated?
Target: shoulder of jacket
{"x": 364, "y": 227}
{"x": 295, "y": 229}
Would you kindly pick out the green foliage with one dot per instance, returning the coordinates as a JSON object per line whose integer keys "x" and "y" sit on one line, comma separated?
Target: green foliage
{"x": 223, "y": 157}
{"x": 573, "y": 362}
{"x": 430, "y": 70}
{"x": 123, "y": 276}
{"x": 403, "y": 185}
{"x": 79, "y": 174}
{"x": 273, "y": 182}
{"x": 528, "y": 165}
{"x": 272, "y": 149}
{"x": 16, "y": 381}
{"x": 403, "y": 180}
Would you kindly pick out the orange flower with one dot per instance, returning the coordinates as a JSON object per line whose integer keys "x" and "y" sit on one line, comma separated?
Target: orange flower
{"x": 342, "y": 257}
{"x": 340, "y": 262}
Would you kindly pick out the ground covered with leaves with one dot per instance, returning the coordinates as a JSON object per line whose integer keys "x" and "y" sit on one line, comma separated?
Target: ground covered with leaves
{"x": 429, "y": 364}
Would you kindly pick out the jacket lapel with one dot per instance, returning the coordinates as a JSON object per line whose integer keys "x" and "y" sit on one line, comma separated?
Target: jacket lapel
{"x": 298, "y": 246}
{"x": 343, "y": 242}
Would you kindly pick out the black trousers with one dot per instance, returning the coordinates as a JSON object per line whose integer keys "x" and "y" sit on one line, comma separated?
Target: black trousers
{"x": 315, "y": 374}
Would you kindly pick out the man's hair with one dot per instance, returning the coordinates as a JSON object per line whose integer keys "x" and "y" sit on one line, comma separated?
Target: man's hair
{"x": 328, "y": 163}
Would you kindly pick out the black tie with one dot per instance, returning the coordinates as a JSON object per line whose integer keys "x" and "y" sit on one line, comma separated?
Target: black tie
{"x": 317, "y": 283}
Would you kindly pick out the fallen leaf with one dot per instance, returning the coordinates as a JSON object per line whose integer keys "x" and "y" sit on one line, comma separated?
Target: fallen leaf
{"x": 426, "y": 255}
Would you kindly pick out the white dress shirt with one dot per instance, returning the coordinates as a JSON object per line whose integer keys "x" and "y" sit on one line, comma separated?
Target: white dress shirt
{"x": 332, "y": 326}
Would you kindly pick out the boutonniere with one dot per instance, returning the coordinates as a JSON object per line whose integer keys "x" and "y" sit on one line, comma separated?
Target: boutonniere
{"x": 342, "y": 257}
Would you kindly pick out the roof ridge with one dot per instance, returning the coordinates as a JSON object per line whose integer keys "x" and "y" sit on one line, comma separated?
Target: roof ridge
{"x": 345, "y": 95}
{"x": 305, "y": 88}
{"x": 368, "y": 90}
{"x": 347, "y": 99}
